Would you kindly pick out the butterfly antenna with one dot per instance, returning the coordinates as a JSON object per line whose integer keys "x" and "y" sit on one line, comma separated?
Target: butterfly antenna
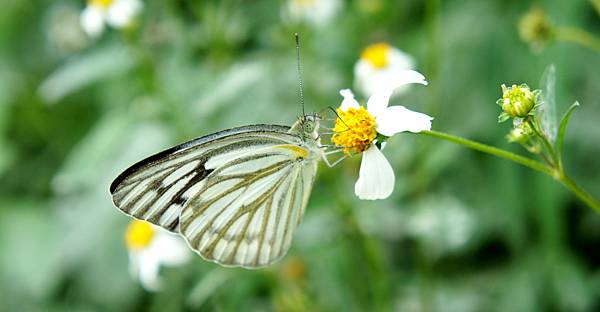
{"x": 299, "y": 67}
{"x": 338, "y": 116}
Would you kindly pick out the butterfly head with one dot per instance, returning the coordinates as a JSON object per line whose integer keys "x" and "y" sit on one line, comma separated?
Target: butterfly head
{"x": 307, "y": 126}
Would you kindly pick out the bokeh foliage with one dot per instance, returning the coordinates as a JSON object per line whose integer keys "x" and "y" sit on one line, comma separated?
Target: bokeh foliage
{"x": 462, "y": 231}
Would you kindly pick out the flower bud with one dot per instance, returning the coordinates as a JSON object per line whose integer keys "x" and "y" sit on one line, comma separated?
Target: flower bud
{"x": 535, "y": 29}
{"x": 520, "y": 134}
{"x": 518, "y": 101}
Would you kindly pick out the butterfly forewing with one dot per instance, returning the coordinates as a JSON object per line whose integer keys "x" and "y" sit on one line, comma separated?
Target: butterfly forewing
{"x": 236, "y": 195}
{"x": 156, "y": 188}
{"x": 247, "y": 220}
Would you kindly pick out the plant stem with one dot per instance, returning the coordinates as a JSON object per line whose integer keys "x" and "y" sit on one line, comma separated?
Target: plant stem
{"x": 537, "y": 128}
{"x": 580, "y": 192}
{"x": 558, "y": 174}
{"x": 578, "y": 36}
{"x": 528, "y": 162}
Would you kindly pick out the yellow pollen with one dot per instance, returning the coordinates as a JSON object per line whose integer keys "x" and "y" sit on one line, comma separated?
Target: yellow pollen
{"x": 377, "y": 54}
{"x": 354, "y": 130}
{"x": 101, "y": 3}
{"x": 139, "y": 235}
{"x": 299, "y": 151}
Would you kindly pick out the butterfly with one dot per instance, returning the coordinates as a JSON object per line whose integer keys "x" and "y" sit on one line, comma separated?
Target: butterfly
{"x": 236, "y": 196}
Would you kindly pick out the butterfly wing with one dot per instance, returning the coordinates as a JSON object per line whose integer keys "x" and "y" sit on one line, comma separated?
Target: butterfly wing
{"x": 246, "y": 212}
{"x": 157, "y": 188}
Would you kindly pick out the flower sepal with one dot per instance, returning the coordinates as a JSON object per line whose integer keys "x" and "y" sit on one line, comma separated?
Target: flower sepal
{"x": 380, "y": 141}
{"x": 503, "y": 117}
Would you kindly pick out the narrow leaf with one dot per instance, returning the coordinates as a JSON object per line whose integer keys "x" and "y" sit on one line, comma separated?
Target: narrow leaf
{"x": 563, "y": 127}
{"x": 546, "y": 112}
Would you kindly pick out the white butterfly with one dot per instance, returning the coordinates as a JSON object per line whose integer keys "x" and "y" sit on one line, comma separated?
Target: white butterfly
{"x": 236, "y": 196}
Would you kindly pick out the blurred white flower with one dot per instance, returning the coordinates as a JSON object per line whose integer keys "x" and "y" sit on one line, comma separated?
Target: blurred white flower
{"x": 443, "y": 224}
{"x": 379, "y": 68}
{"x": 365, "y": 130}
{"x": 116, "y": 13}
{"x": 315, "y": 12}
{"x": 63, "y": 31}
{"x": 151, "y": 247}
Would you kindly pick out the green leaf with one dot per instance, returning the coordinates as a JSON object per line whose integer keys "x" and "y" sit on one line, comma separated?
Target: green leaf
{"x": 563, "y": 127}
{"x": 546, "y": 112}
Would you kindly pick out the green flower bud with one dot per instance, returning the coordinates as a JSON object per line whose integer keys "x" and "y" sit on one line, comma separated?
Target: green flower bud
{"x": 520, "y": 134}
{"x": 517, "y": 101}
{"x": 535, "y": 29}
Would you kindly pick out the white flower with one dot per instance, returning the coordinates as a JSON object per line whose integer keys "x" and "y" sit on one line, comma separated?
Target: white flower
{"x": 443, "y": 224}
{"x": 151, "y": 247}
{"x": 358, "y": 130}
{"x": 116, "y": 13}
{"x": 315, "y": 12}
{"x": 378, "y": 68}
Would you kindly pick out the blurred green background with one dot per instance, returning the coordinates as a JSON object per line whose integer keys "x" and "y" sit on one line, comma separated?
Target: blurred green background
{"x": 462, "y": 231}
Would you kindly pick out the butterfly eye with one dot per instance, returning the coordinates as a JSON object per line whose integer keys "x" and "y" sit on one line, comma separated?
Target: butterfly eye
{"x": 308, "y": 127}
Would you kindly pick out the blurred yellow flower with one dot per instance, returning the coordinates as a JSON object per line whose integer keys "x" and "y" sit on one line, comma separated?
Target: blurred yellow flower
{"x": 101, "y": 3}
{"x": 377, "y": 54}
{"x": 139, "y": 234}
{"x": 151, "y": 247}
{"x": 379, "y": 67}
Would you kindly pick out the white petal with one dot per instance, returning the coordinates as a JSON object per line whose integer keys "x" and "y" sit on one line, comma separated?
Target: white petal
{"x": 349, "y": 101}
{"x": 378, "y": 102}
{"x": 400, "y": 60}
{"x": 170, "y": 249}
{"x": 122, "y": 12}
{"x": 370, "y": 80}
{"x": 92, "y": 20}
{"x": 404, "y": 77}
{"x": 380, "y": 99}
{"x": 396, "y": 119}
{"x": 376, "y": 177}
{"x": 148, "y": 271}
{"x": 134, "y": 264}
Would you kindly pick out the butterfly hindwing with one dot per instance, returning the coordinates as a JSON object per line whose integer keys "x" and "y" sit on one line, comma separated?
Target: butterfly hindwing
{"x": 248, "y": 208}
{"x": 157, "y": 188}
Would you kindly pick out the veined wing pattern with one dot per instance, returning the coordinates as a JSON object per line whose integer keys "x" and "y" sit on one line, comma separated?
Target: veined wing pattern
{"x": 236, "y": 195}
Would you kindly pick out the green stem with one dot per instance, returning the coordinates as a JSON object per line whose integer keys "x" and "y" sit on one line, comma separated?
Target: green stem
{"x": 578, "y": 36}
{"x": 558, "y": 174}
{"x": 537, "y": 128}
{"x": 527, "y": 162}
{"x": 580, "y": 192}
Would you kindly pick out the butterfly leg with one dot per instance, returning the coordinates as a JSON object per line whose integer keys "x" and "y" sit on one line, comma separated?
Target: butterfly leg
{"x": 333, "y": 152}
{"x": 326, "y": 160}
{"x": 330, "y": 165}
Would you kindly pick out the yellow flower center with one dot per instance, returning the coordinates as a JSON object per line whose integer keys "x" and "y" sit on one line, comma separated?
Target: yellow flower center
{"x": 139, "y": 235}
{"x": 377, "y": 54}
{"x": 101, "y": 3}
{"x": 354, "y": 130}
